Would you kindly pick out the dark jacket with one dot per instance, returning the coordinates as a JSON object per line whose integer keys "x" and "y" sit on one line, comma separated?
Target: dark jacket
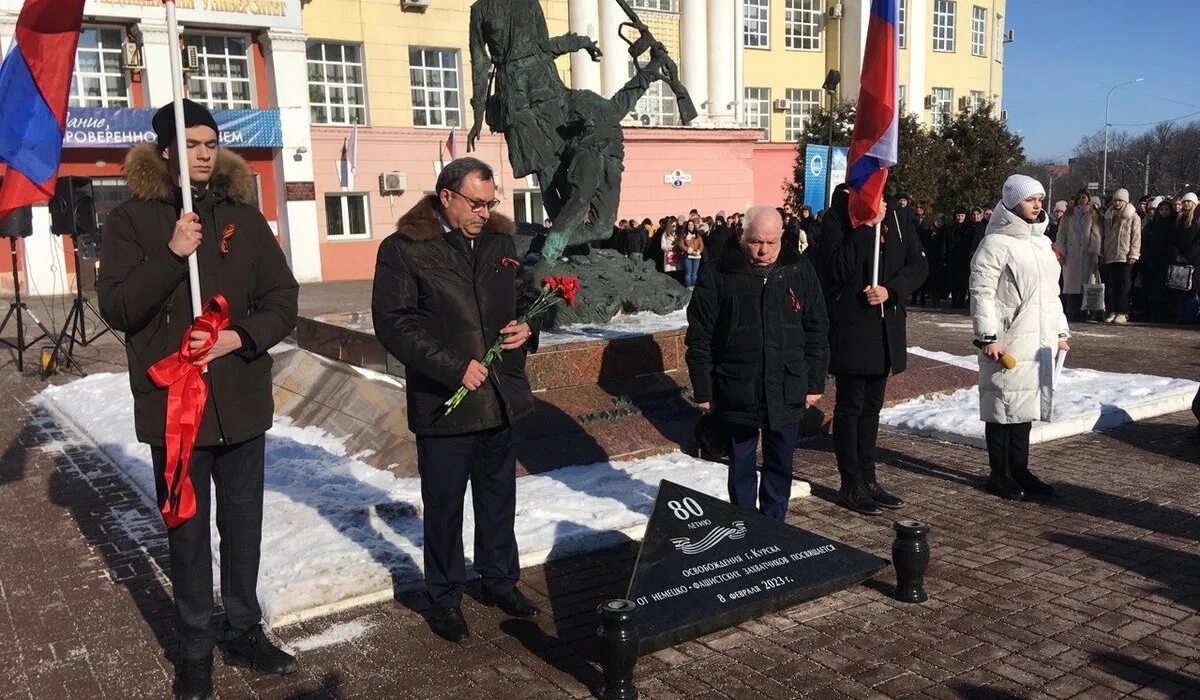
{"x": 437, "y": 305}
{"x": 861, "y": 341}
{"x": 1185, "y": 245}
{"x": 756, "y": 347}
{"x": 143, "y": 291}
{"x": 635, "y": 241}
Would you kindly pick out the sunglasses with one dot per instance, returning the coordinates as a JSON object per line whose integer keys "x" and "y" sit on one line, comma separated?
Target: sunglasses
{"x": 477, "y": 204}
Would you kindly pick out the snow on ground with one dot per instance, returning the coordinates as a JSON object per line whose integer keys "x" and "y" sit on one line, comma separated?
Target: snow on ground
{"x": 338, "y": 532}
{"x": 641, "y": 323}
{"x": 1086, "y": 400}
{"x": 340, "y": 633}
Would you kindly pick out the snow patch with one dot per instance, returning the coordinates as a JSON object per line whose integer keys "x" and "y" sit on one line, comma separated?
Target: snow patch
{"x": 340, "y": 633}
{"x": 635, "y": 324}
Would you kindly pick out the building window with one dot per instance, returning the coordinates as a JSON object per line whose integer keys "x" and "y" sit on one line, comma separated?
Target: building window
{"x": 902, "y": 23}
{"x": 943, "y": 25}
{"x": 978, "y": 30}
{"x": 527, "y": 207}
{"x": 998, "y": 48}
{"x": 347, "y": 215}
{"x": 976, "y": 100}
{"x": 801, "y": 104}
{"x": 222, "y": 80}
{"x": 657, "y": 5}
{"x": 757, "y": 24}
{"x": 99, "y": 79}
{"x": 336, "y": 94}
{"x": 435, "y": 87}
{"x": 657, "y": 107}
{"x": 943, "y": 99}
{"x": 758, "y": 110}
{"x": 802, "y": 24}
{"x": 902, "y": 99}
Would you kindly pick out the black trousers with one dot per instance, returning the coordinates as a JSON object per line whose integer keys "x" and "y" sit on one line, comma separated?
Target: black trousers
{"x": 237, "y": 472}
{"x": 857, "y": 403}
{"x": 775, "y": 486}
{"x": 446, "y": 464}
{"x": 1117, "y": 283}
{"x": 1008, "y": 449}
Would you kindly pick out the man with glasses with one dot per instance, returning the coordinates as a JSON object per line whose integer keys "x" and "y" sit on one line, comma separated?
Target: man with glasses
{"x": 447, "y": 283}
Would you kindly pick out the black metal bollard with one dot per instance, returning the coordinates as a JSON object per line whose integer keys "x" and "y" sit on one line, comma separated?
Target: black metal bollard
{"x": 910, "y": 556}
{"x": 619, "y": 648}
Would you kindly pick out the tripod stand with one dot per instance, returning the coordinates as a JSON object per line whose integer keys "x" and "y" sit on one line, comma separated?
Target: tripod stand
{"x": 74, "y": 331}
{"x": 16, "y": 309}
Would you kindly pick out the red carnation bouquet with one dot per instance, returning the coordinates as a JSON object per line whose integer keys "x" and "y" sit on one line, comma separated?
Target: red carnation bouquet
{"x": 554, "y": 289}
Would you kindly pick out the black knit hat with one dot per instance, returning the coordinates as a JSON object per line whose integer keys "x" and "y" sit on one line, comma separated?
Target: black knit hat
{"x": 194, "y": 114}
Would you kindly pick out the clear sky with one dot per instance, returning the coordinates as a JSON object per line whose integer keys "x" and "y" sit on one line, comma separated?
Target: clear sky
{"x": 1068, "y": 53}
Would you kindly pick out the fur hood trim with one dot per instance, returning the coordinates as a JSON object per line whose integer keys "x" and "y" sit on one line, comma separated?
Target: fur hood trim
{"x": 422, "y": 222}
{"x": 148, "y": 178}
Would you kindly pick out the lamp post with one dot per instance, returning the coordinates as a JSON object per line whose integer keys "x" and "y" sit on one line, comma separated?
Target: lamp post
{"x": 832, "y": 79}
{"x": 1104, "y": 168}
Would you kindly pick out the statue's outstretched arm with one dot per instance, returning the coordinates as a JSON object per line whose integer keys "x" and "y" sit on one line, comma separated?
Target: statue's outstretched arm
{"x": 570, "y": 43}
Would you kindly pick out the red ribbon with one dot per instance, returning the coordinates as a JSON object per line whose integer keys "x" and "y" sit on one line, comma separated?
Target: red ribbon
{"x": 187, "y": 393}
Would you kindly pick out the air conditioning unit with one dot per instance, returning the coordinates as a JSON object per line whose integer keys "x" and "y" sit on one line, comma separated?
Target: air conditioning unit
{"x": 1010, "y": 36}
{"x": 964, "y": 103}
{"x": 779, "y": 105}
{"x": 929, "y": 102}
{"x": 414, "y": 4}
{"x": 191, "y": 59}
{"x": 835, "y": 11}
{"x": 131, "y": 56}
{"x": 392, "y": 182}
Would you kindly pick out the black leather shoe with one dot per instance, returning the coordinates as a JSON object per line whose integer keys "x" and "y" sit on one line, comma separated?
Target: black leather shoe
{"x": 512, "y": 602}
{"x": 858, "y": 500}
{"x": 883, "y": 498}
{"x": 255, "y": 650}
{"x": 1005, "y": 488}
{"x": 1034, "y": 486}
{"x": 193, "y": 679}
{"x": 449, "y": 624}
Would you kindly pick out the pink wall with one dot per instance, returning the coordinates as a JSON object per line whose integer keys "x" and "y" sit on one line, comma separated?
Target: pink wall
{"x": 729, "y": 168}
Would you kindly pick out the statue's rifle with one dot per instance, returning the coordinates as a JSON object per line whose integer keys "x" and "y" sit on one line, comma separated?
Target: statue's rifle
{"x": 644, "y": 42}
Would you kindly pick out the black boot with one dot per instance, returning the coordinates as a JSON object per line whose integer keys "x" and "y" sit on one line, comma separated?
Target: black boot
{"x": 449, "y": 624}
{"x": 882, "y": 497}
{"x": 1018, "y": 463}
{"x": 193, "y": 679}
{"x": 1001, "y": 481}
{"x": 512, "y": 602}
{"x": 856, "y": 498}
{"x": 1034, "y": 486}
{"x": 255, "y": 650}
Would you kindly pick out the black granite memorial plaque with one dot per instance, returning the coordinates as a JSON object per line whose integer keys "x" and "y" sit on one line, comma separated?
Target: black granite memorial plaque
{"x": 706, "y": 564}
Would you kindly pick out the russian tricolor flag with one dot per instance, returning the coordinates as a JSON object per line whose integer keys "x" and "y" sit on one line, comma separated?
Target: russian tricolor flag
{"x": 874, "y": 145}
{"x": 35, "y": 86}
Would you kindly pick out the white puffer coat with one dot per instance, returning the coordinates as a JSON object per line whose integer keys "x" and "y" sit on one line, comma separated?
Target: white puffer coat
{"x": 1014, "y": 300}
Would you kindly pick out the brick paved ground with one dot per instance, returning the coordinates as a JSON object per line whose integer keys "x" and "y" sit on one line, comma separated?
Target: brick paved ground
{"x": 1094, "y": 595}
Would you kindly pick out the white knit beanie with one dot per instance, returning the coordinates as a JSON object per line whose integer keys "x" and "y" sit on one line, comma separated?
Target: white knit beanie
{"x": 1121, "y": 195}
{"x": 1018, "y": 187}
{"x": 1190, "y": 197}
{"x": 1154, "y": 203}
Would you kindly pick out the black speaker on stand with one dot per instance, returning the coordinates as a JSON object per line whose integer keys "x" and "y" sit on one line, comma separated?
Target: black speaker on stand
{"x": 73, "y": 214}
{"x": 19, "y": 224}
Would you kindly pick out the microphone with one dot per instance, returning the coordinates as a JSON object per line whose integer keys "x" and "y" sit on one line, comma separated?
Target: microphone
{"x": 1007, "y": 361}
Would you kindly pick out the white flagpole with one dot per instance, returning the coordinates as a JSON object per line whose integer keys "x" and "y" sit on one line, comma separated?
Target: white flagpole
{"x": 875, "y": 267}
{"x": 185, "y": 180}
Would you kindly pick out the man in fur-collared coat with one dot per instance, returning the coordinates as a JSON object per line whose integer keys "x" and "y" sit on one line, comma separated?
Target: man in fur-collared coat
{"x": 447, "y": 284}
{"x": 143, "y": 291}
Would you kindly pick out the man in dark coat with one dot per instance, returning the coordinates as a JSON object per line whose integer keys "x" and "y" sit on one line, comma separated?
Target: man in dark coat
{"x": 757, "y": 352}
{"x": 636, "y": 240}
{"x": 447, "y": 284}
{"x": 866, "y": 344}
{"x": 143, "y": 291}
{"x": 959, "y": 249}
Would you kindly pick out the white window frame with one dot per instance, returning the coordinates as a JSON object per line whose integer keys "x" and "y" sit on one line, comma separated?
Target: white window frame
{"x": 978, "y": 30}
{"x": 757, "y": 13}
{"x": 902, "y": 23}
{"x": 758, "y": 110}
{"x": 804, "y": 25}
{"x": 801, "y": 103}
{"x": 442, "y": 91}
{"x": 902, "y": 99}
{"x": 943, "y": 109}
{"x": 944, "y": 22}
{"x": 658, "y": 103}
{"x": 345, "y": 86}
{"x": 344, "y": 198}
{"x": 527, "y": 197}
{"x": 975, "y": 100}
{"x": 202, "y": 73}
{"x": 656, "y": 5}
{"x": 105, "y": 98}
{"x": 998, "y": 47}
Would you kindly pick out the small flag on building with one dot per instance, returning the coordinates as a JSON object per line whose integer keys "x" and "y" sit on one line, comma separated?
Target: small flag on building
{"x": 874, "y": 145}
{"x": 35, "y": 82}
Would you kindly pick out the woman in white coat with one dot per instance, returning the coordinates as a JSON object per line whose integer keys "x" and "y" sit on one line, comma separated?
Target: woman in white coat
{"x": 1078, "y": 245}
{"x": 1017, "y": 312}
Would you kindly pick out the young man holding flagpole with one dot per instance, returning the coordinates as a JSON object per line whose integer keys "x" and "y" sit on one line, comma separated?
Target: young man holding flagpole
{"x": 871, "y": 267}
{"x": 201, "y": 377}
